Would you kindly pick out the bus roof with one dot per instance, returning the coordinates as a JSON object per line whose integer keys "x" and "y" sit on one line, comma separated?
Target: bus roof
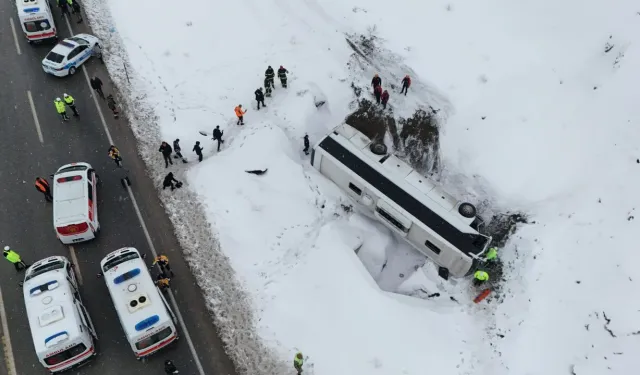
{"x": 134, "y": 294}
{"x": 49, "y": 299}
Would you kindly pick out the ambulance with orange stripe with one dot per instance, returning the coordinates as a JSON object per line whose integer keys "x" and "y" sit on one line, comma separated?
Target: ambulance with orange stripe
{"x": 36, "y": 20}
{"x": 62, "y": 331}
{"x": 75, "y": 208}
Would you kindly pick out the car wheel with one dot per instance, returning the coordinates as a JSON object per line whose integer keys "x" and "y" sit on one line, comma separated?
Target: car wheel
{"x": 467, "y": 210}
{"x": 72, "y": 70}
{"x": 378, "y": 148}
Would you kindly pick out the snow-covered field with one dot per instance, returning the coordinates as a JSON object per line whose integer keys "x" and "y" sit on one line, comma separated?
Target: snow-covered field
{"x": 539, "y": 113}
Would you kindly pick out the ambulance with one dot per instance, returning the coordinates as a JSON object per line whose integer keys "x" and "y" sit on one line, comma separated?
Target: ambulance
{"x": 36, "y": 20}
{"x": 62, "y": 332}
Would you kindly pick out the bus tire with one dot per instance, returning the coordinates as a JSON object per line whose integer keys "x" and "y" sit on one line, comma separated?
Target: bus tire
{"x": 378, "y": 148}
{"x": 467, "y": 210}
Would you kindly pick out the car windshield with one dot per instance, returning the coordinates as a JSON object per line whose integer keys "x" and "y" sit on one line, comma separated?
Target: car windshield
{"x": 118, "y": 260}
{"x": 79, "y": 40}
{"x": 44, "y": 269}
{"x": 56, "y": 58}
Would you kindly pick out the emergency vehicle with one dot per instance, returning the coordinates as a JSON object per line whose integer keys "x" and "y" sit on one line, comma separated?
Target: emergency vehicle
{"x": 62, "y": 331}
{"x": 36, "y": 20}
{"x": 145, "y": 315}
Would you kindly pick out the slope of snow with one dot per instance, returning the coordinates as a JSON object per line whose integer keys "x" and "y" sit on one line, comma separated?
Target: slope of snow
{"x": 536, "y": 117}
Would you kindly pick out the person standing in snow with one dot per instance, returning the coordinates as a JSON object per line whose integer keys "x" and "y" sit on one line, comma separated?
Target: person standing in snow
{"x": 267, "y": 87}
{"x": 198, "y": 150}
{"x": 168, "y": 181}
{"x": 376, "y": 81}
{"x": 282, "y": 74}
{"x": 217, "y": 136}
{"x": 240, "y": 114}
{"x": 384, "y": 98}
{"x": 306, "y": 144}
{"x": 377, "y": 91}
{"x": 166, "y": 153}
{"x": 177, "y": 149}
{"x": 406, "y": 82}
{"x": 480, "y": 277}
{"x": 269, "y": 75}
{"x": 298, "y": 361}
{"x": 492, "y": 255}
{"x": 260, "y": 97}
{"x": 96, "y": 84}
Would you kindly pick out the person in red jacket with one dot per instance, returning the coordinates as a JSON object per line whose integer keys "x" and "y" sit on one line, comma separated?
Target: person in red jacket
{"x": 377, "y": 91}
{"x": 406, "y": 82}
{"x": 385, "y": 99}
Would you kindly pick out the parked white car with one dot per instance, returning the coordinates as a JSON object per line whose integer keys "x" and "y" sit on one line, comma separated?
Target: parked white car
{"x": 68, "y": 55}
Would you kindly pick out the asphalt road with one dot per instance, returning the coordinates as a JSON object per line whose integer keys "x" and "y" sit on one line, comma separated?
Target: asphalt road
{"x": 26, "y": 219}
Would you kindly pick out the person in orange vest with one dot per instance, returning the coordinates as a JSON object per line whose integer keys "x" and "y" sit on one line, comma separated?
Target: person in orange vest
{"x": 43, "y": 186}
{"x": 163, "y": 282}
{"x": 240, "y": 113}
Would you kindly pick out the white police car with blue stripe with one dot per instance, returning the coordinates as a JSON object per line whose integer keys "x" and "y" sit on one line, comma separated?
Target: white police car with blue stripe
{"x": 67, "y": 56}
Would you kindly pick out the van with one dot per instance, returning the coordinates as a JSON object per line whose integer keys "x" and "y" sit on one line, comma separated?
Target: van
{"x": 75, "y": 203}
{"x": 62, "y": 332}
{"x": 414, "y": 207}
{"x": 36, "y": 20}
{"x": 145, "y": 315}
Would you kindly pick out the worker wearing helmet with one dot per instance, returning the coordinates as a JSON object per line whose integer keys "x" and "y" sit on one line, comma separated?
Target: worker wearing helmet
{"x": 61, "y": 109}
{"x": 68, "y": 99}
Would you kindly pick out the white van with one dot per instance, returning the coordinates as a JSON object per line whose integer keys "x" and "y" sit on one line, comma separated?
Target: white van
{"x": 145, "y": 315}
{"x": 36, "y": 20}
{"x": 75, "y": 208}
{"x": 63, "y": 334}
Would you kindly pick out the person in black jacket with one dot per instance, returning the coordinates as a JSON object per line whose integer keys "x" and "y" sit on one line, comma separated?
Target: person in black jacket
{"x": 177, "y": 149}
{"x": 168, "y": 181}
{"x": 306, "y": 144}
{"x": 166, "y": 153}
{"x": 96, "y": 84}
{"x": 269, "y": 75}
{"x": 198, "y": 150}
{"x": 259, "y": 97}
{"x": 217, "y": 135}
{"x": 282, "y": 74}
{"x": 169, "y": 367}
{"x": 376, "y": 81}
{"x": 267, "y": 87}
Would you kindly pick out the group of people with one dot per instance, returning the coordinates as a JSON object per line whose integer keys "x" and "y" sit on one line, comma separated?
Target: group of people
{"x": 382, "y": 97}
{"x": 68, "y": 100}
{"x": 73, "y": 5}
{"x": 481, "y": 276}
{"x": 260, "y": 94}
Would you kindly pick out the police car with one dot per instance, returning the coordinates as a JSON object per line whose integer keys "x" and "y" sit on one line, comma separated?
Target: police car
{"x": 67, "y": 56}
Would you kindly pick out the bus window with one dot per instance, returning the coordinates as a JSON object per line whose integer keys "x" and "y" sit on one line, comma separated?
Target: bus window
{"x": 66, "y": 355}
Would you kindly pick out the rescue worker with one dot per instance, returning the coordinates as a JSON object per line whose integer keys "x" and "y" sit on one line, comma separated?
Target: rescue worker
{"x": 114, "y": 154}
{"x": 111, "y": 103}
{"x": 14, "y": 258}
{"x": 62, "y": 110}
{"x": 376, "y": 81}
{"x": 68, "y": 99}
{"x": 163, "y": 261}
{"x": 282, "y": 74}
{"x": 75, "y": 7}
{"x": 64, "y": 7}
{"x": 298, "y": 361}
{"x": 240, "y": 114}
{"x": 384, "y": 98}
{"x": 306, "y": 144}
{"x": 377, "y": 92}
{"x": 198, "y": 150}
{"x": 260, "y": 97}
{"x": 492, "y": 255}
{"x": 406, "y": 82}
{"x": 168, "y": 181}
{"x": 169, "y": 367}
{"x": 267, "y": 87}
{"x": 96, "y": 84}
{"x": 43, "y": 186}
{"x": 480, "y": 277}
{"x": 162, "y": 282}
{"x": 269, "y": 75}
{"x": 177, "y": 149}
{"x": 166, "y": 153}
{"x": 217, "y": 135}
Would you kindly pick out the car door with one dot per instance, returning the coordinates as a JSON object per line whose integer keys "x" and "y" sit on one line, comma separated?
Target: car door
{"x": 72, "y": 57}
{"x": 83, "y": 54}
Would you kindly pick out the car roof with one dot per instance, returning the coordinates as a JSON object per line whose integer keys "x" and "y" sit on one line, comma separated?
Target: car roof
{"x": 64, "y": 47}
{"x": 70, "y": 204}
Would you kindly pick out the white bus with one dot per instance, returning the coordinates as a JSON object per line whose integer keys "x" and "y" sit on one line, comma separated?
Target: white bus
{"x": 62, "y": 331}
{"x": 145, "y": 315}
{"x": 411, "y": 205}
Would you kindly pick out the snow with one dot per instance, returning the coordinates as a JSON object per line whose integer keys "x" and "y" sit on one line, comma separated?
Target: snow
{"x": 535, "y": 117}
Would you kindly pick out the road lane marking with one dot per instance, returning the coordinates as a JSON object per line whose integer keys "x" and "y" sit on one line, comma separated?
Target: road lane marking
{"x": 74, "y": 260}
{"x": 6, "y": 339}
{"x": 35, "y": 116}
{"x": 174, "y": 304}
{"x": 15, "y": 35}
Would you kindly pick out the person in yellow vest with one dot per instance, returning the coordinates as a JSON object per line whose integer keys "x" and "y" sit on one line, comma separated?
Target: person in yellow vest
{"x": 480, "y": 277}
{"x": 162, "y": 282}
{"x": 68, "y": 99}
{"x": 62, "y": 111}
{"x": 492, "y": 255}
{"x": 163, "y": 262}
{"x": 14, "y": 258}
{"x": 298, "y": 361}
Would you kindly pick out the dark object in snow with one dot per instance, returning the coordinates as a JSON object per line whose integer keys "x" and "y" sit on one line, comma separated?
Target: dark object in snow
{"x": 443, "y": 272}
{"x": 258, "y": 172}
{"x": 484, "y": 117}
{"x": 320, "y": 103}
{"x": 203, "y": 133}
{"x": 433, "y": 295}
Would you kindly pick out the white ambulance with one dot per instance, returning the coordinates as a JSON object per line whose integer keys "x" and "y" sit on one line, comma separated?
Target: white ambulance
{"x": 36, "y": 20}
{"x": 145, "y": 315}
{"x": 62, "y": 331}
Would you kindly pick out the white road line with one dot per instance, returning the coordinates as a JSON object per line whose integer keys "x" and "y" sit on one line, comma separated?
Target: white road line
{"x": 35, "y": 116}
{"x": 74, "y": 260}
{"x": 174, "y": 304}
{"x": 6, "y": 339}
{"x": 15, "y": 35}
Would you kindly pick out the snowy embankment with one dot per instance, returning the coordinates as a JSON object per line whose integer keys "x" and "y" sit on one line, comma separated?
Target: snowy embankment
{"x": 539, "y": 118}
